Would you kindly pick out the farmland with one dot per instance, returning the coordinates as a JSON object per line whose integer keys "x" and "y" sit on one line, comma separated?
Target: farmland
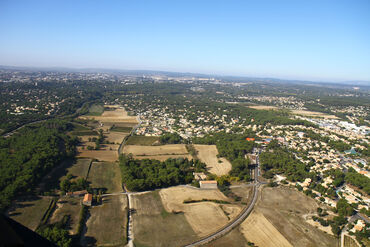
{"x": 105, "y": 175}
{"x": 161, "y": 152}
{"x": 203, "y": 217}
{"x": 67, "y": 206}
{"x": 106, "y": 224}
{"x": 208, "y": 155}
{"x": 155, "y": 226}
{"x": 142, "y": 140}
{"x": 29, "y": 210}
{"x": 119, "y": 115}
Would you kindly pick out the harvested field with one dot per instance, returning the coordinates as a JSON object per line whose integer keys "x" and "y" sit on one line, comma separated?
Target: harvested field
{"x": 121, "y": 129}
{"x": 105, "y": 175}
{"x": 204, "y": 217}
{"x": 101, "y": 155}
{"x": 313, "y": 114}
{"x": 79, "y": 169}
{"x": 29, "y": 210}
{"x": 257, "y": 229}
{"x": 119, "y": 115}
{"x": 116, "y": 137}
{"x": 285, "y": 209}
{"x": 233, "y": 239}
{"x": 154, "y": 226}
{"x": 208, "y": 155}
{"x": 107, "y": 223}
{"x": 142, "y": 140}
{"x": 263, "y": 107}
{"x": 170, "y": 149}
{"x": 164, "y": 157}
{"x": 349, "y": 242}
{"x": 68, "y": 206}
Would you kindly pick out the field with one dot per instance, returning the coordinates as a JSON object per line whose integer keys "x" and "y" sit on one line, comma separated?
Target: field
{"x": 105, "y": 175}
{"x": 233, "y": 239}
{"x": 67, "y": 206}
{"x": 285, "y": 209}
{"x": 118, "y": 115}
{"x": 203, "y": 217}
{"x": 208, "y": 155}
{"x": 153, "y": 225}
{"x": 29, "y": 210}
{"x": 121, "y": 129}
{"x": 313, "y": 114}
{"x": 161, "y": 153}
{"x": 142, "y": 140}
{"x": 257, "y": 229}
{"x": 263, "y": 107}
{"x": 116, "y": 137}
{"x": 101, "y": 155}
{"x": 164, "y": 157}
{"x": 349, "y": 242}
{"x": 95, "y": 110}
{"x": 106, "y": 224}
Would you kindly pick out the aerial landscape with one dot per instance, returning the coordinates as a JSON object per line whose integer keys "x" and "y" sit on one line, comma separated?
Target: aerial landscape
{"x": 189, "y": 139}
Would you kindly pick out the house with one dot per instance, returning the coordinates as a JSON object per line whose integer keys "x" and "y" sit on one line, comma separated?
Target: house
{"x": 212, "y": 184}
{"x": 87, "y": 201}
{"x": 249, "y": 139}
{"x": 76, "y": 193}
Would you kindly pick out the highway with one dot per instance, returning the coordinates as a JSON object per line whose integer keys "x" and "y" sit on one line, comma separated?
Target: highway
{"x": 239, "y": 219}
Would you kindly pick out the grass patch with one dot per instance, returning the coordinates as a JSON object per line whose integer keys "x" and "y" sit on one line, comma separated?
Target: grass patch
{"x": 79, "y": 127}
{"x": 142, "y": 140}
{"x": 95, "y": 110}
{"x": 121, "y": 129}
{"x": 106, "y": 176}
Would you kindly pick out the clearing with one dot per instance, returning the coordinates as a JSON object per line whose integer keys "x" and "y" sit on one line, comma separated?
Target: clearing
{"x": 68, "y": 206}
{"x": 263, "y": 107}
{"x": 153, "y": 225}
{"x": 204, "y": 217}
{"x": 118, "y": 115}
{"x": 161, "y": 153}
{"x": 115, "y": 137}
{"x": 313, "y": 114}
{"x": 101, "y": 155}
{"x": 29, "y": 210}
{"x": 106, "y": 224}
{"x": 261, "y": 232}
{"x": 105, "y": 175}
{"x": 208, "y": 155}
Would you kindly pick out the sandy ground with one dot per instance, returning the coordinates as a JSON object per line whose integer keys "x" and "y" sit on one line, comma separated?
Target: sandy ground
{"x": 257, "y": 229}
{"x": 138, "y": 150}
{"x": 116, "y": 137}
{"x": 263, "y": 107}
{"x": 204, "y": 217}
{"x": 101, "y": 155}
{"x": 317, "y": 224}
{"x": 116, "y": 116}
{"x": 208, "y": 155}
{"x": 313, "y": 114}
{"x": 106, "y": 224}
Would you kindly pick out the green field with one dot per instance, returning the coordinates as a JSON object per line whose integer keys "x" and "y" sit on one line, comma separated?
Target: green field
{"x": 29, "y": 210}
{"x": 142, "y": 140}
{"x": 121, "y": 129}
{"x": 154, "y": 226}
{"x": 96, "y": 110}
{"x": 105, "y": 175}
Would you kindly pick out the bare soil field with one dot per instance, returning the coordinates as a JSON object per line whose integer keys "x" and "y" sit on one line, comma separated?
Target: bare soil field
{"x": 233, "y": 239}
{"x": 119, "y": 115}
{"x": 138, "y": 150}
{"x": 154, "y": 226}
{"x": 208, "y": 155}
{"x": 29, "y": 210}
{"x": 116, "y": 137}
{"x": 67, "y": 206}
{"x": 204, "y": 217}
{"x": 106, "y": 224}
{"x": 257, "y": 229}
{"x": 105, "y": 175}
{"x": 164, "y": 157}
{"x": 101, "y": 155}
{"x": 285, "y": 209}
{"x": 263, "y": 107}
{"x": 313, "y": 114}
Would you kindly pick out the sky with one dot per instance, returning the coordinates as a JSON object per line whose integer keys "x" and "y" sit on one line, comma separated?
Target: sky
{"x": 310, "y": 40}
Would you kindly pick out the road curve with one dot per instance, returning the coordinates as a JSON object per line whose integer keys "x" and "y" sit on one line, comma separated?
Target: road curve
{"x": 239, "y": 219}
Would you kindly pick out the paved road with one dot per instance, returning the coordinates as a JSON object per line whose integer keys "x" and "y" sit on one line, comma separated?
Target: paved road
{"x": 242, "y": 216}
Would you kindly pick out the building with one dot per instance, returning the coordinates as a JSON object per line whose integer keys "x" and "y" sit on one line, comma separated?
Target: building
{"x": 212, "y": 184}
{"x": 76, "y": 193}
{"x": 87, "y": 200}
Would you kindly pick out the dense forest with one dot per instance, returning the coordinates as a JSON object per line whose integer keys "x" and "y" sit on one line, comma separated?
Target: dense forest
{"x": 147, "y": 174}
{"x": 29, "y": 155}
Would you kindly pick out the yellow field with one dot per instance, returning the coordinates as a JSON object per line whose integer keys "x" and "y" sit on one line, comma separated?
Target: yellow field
{"x": 138, "y": 150}
{"x": 208, "y": 155}
{"x": 119, "y": 115}
{"x": 313, "y": 114}
{"x": 164, "y": 157}
{"x": 116, "y": 137}
{"x": 257, "y": 229}
{"x": 101, "y": 155}
{"x": 203, "y": 217}
{"x": 263, "y": 107}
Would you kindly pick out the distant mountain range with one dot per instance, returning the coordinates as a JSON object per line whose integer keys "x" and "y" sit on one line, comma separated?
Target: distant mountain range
{"x": 352, "y": 83}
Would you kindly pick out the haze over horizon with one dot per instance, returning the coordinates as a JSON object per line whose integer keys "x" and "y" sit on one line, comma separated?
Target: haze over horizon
{"x": 312, "y": 40}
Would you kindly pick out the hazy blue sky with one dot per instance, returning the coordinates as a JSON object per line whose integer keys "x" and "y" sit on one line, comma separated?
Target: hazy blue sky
{"x": 302, "y": 39}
